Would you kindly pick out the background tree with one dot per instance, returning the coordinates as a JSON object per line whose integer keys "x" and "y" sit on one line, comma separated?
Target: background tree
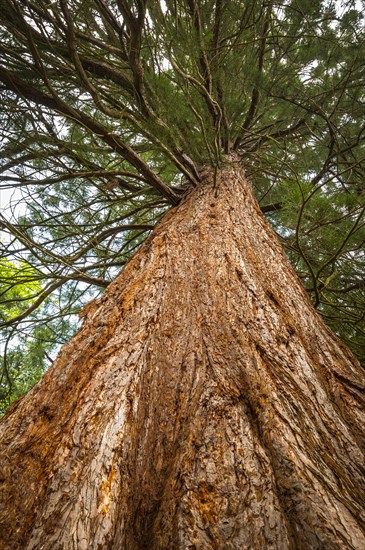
{"x": 28, "y": 357}
{"x": 114, "y": 111}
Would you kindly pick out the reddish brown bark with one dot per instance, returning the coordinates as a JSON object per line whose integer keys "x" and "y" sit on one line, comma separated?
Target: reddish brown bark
{"x": 203, "y": 404}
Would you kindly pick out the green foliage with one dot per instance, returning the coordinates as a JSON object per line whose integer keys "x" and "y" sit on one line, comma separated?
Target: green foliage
{"x": 24, "y": 362}
{"x": 18, "y": 283}
{"x": 21, "y": 367}
{"x": 29, "y": 357}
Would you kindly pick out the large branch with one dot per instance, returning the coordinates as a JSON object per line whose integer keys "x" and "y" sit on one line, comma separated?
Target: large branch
{"x": 23, "y": 88}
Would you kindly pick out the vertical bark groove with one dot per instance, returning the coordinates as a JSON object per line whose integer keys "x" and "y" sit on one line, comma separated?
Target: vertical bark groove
{"x": 203, "y": 403}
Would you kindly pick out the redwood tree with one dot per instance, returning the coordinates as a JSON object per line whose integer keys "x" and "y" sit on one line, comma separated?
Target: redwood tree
{"x": 203, "y": 403}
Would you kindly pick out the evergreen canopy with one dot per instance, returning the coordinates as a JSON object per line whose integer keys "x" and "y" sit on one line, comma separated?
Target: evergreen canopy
{"x": 111, "y": 109}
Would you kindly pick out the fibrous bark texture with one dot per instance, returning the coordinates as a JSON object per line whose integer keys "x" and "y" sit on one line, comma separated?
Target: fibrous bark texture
{"x": 202, "y": 405}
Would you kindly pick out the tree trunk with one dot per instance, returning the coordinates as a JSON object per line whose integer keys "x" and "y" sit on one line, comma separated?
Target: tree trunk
{"x": 202, "y": 405}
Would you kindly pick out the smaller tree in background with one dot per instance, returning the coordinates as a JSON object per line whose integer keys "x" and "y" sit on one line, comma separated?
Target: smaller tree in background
{"x": 26, "y": 357}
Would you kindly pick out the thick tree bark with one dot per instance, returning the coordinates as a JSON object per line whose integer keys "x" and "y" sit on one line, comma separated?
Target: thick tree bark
{"x": 202, "y": 405}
